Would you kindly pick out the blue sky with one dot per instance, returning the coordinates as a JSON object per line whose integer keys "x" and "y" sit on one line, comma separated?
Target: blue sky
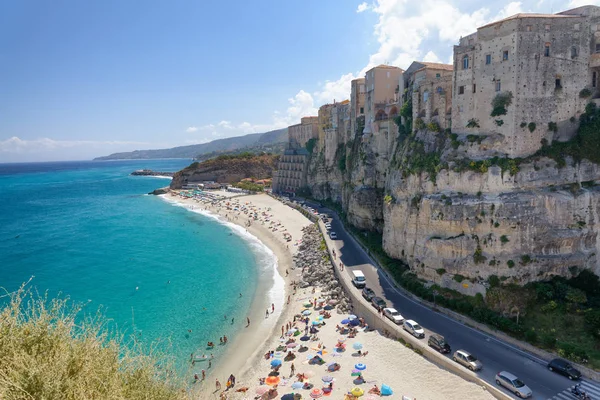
{"x": 80, "y": 79}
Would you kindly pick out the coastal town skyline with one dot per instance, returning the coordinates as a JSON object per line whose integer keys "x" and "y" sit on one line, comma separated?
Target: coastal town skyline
{"x": 103, "y": 91}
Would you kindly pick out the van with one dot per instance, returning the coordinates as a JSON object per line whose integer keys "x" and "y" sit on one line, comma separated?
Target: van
{"x": 439, "y": 343}
{"x": 358, "y": 279}
{"x": 413, "y": 328}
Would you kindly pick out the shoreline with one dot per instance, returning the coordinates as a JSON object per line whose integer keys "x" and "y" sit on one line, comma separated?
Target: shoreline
{"x": 244, "y": 352}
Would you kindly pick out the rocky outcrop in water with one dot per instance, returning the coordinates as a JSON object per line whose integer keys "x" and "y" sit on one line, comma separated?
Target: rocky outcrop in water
{"x": 313, "y": 260}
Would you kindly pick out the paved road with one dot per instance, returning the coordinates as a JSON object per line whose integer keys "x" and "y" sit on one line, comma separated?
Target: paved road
{"x": 495, "y": 355}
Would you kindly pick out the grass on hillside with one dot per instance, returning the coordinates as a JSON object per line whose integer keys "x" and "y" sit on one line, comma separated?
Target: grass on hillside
{"x": 49, "y": 350}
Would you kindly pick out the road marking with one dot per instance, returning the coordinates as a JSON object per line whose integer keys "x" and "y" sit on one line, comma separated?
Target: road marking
{"x": 588, "y": 387}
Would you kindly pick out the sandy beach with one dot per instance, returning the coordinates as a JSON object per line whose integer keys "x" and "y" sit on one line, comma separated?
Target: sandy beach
{"x": 387, "y": 362}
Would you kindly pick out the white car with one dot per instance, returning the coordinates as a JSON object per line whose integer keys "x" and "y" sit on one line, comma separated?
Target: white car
{"x": 328, "y": 226}
{"x": 393, "y": 315}
{"x": 414, "y": 328}
{"x": 514, "y": 384}
{"x": 333, "y": 235}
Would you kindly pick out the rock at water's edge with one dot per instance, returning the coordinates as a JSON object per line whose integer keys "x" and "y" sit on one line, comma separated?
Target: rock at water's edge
{"x": 163, "y": 190}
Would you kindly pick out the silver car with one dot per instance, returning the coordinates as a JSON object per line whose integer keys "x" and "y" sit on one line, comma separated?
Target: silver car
{"x": 513, "y": 384}
{"x": 467, "y": 360}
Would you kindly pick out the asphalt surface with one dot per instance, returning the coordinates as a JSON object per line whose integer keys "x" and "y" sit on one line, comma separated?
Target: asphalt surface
{"x": 494, "y": 354}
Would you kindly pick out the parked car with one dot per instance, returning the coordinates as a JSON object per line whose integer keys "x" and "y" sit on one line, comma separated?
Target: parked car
{"x": 439, "y": 343}
{"x": 328, "y": 226}
{"x": 413, "y": 328}
{"x": 564, "y": 368}
{"x": 378, "y": 303}
{"x": 467, "y": 360}
{"x": 333, "y": 235}
{"x": 368, "y": 293}
{"x": 393, "y": 315}
{"x": 514, "y": 384}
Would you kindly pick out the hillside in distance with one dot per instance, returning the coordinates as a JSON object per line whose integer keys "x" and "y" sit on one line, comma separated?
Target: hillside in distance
{"x": 252, "y": 140}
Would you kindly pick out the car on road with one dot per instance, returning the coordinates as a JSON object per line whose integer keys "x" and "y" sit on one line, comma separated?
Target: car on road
{"x": 378, "y": 303}
{"x": 368, "y": 293}
{"x": 439, "y": 343}
{"x": 358, "y": 279}
{"x": 393, "y": 315}
{"x": 328, "y": 226}
{"x": 333, "y": 235}
{"x": 514, "y": 384}
{"x": 413, "y": 328}
{"x": 564, "y": 368}
{"x": 468, "y": 360}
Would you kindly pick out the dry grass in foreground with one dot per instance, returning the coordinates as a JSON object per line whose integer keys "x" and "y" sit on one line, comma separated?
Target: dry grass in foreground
{"x": 49, "y": 351}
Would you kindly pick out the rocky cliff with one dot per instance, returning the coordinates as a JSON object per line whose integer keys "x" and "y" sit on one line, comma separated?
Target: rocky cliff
{"x": 456, "y": 215}
{"x": 227, "y": 169}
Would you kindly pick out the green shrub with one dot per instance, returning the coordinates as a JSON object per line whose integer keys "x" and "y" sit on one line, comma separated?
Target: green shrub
{"x": 525, "y": 259}
{"x": 510, "y": 263}
{"x": 585, "y": 93}
{"x": 310, "y": 145}
{"x": 500, "y": 103}
{"x": 494, "y": 281}
{"x": 523, "y": 125}
{"x": 478, "y": 256}
{"x": 531, "y": 336}
{"x": 531, "y": 126}
{"x": 504, "y": 239}
{"x": 499, "y": 122}
{"x": 459, "y": 278}
{"x": 473, "y": 123}
{"x": 552, "y": 126}
{"x": 440, "y": 271}
{"x": 548, "y": 340}
{"x": 433, "y": 127}
{"x": 387, "y": 199}
{"x": 496, "y": 224}
{"x": 420, "y": 124}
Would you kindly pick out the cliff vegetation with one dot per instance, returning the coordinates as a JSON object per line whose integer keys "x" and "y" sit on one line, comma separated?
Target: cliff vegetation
{"x": 228, "y": 169}
{"x": 49, "y": 350}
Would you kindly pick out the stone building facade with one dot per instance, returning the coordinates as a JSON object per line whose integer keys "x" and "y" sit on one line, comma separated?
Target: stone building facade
{"x": 291, "y": 171}
{"x": 357, "y": 103}
{"x": 534, "y": 66}
{"x": 381, "y": 85}
{"x": 432, "y": 94}
{"x": 307, "y": 129}
{"x": 339, "y": 130}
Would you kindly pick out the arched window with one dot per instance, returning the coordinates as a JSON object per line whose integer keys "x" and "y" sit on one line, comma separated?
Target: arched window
{"x": 425, "y": 96}
{"x": 439, "y": 90}
{"x": 466, "y": 62}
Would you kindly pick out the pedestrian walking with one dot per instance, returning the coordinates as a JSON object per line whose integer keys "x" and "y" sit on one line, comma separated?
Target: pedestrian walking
{"x": 292, "y": 369}
{"x": 272, "y": 307}
{"x": 248, "y": 318}
{"x": 218, "y": 385}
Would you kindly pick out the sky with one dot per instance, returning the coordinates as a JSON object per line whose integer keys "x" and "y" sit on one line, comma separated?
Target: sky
{"x": 81, "y": 79}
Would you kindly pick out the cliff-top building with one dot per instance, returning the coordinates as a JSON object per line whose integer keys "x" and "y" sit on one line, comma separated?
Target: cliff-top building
{"x": 536, "y": 68}
{"x": 357, "y": 103}
{"x": 430, "y": 88}
{"x": 307, "y": 129}
{"x": 381, "y": 84}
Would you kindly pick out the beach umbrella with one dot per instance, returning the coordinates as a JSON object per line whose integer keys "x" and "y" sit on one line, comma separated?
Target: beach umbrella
{"x": 333, "y": 366}
{"x": 322, "y": 352}
{"x": 320, "y": 318}
{"x": 320, "y": 300}
{"x": 297, "y": 333}
{"x": 351, "y": 317}
{"x": 305, "y": 338}
{"x": 328, "y": 307}
{"x": 355, "y": 322}
{"x": 316, "y": 322}
{"x": 345, "y": 321}
{"x": 307, "y": 304}
{"x": 355, "y": 372}
{"x": 291, "y": 331}
{"x": 341, "y": 340}
{"x": 357, "y": 346}
{"x": 327, "y": 378}
{"x": 278, "y": 354}
{"x": 288, "y": 396}
{"x": 333, "y": 302}
{"x": 272, "y": 380}
{"x": 297, "y": 385}
{"x": 292, "y": 345}
{"x": 262, "y": 390}
{"x": 360, "y": 366}
{"x": 306, "y": 312}
{"x": 316, "y": 393}
{"x": 275, "y": 363}
{"x": 356, "y": 391}
{"x": 386, "y": 390}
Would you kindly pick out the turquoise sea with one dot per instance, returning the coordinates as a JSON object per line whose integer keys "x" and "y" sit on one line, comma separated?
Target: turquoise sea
{"x": 89, "y": 231}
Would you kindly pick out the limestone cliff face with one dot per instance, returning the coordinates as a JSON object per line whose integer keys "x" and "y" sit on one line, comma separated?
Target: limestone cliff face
{"x": 454, "y": 221}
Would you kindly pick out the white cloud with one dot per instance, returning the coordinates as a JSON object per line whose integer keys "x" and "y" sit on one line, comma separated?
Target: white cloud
{"x": 18, "y": 145}
{"x": 335, "y": 90}
{"x": 579, "y": 3}
{"x": 191, "y": 129}
{"x": 362, "y": 7}
{"x": 431, "y": 57}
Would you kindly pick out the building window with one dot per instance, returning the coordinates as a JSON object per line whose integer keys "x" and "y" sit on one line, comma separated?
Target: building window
{"x": 528, "y": 28}
{"x": 362, "y": 110}
{"x": 547, "y": 50}
{"x": 388, "y": 74}
{"x": 461, "y": 90}
{"x": 438, "y": 76}
{"x": 425, "y": 96}
{"x": 488, "y": 59}
{"x": 576, "y": 27}
{"x": 594, "y": 76}
{"x": 557, "y": 84}
{"x": 597, "y": 47}
{"x": 505, "y": 55}
{"x": 547, "y": 27}
{"x": 498, "y": 86}
{"x": 471, "y": 41}
{"x": 474, "y": 88}
{"x": 466, "y": 62}
{"x": 573, "y": 52}
{"x": 439, "y": 90}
